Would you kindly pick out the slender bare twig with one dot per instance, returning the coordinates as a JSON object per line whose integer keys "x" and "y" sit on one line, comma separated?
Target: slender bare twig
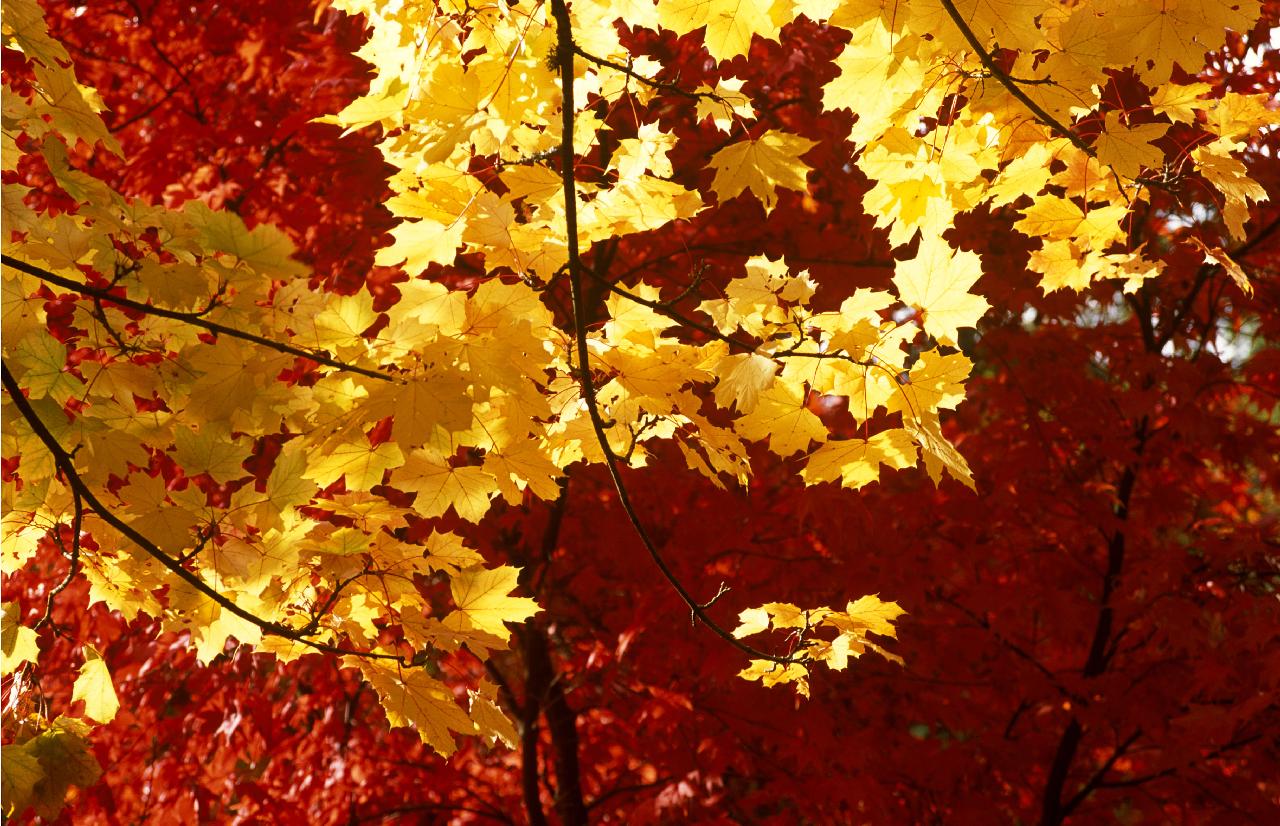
{"x": 77, "y": 520}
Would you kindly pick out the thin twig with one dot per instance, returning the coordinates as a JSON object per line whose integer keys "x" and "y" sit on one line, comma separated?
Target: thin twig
{"x": 77, "y": 520}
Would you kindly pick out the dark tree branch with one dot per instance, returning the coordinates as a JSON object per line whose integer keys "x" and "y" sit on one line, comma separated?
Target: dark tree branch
{"x": 1018, "y": 651}
{"x": 564, "y": 57}
{"x": 650, "y": 82}
{"x": 1053, "y": 809}
{"x": 194, "y": 319}
{"x": 1088, "y": 788}
{"x": 1010, "y": 84}
{"x": 1143, "y": 779}
{"x": 62, "y": 459}
{"x": 77, "y": 519}
{"x": 1202, "y": 278}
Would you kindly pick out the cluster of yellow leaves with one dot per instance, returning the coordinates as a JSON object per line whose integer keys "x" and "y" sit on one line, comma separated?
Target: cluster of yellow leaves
{"x": 312, "y": 549}
{"x": 863, "y": 616}
{"x": 470, "y": 93}
{"x": 45, "y": 758}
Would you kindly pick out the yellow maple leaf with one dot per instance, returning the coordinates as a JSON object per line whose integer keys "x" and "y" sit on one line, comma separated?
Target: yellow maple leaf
{"x": 730, "y": 24}
{"x": 878, "y": 78}
{"x": 419, "y": 244}
{"x": 867, "y": 613}
{"x": 936, "y": 282}
{"x": 725, "y": 103}
{"x": 481, "y": 597}
{"x": 1061, "y": 265}
{"x": 1179, "y": 102}
{"x": 1128, "y": 149}
{"x": 771, "y": 674}
{"x": 782, "y": 417}
{"x": 1230, "y": 177}
{"x": 742, "y": 377}
{"x": 1219, "y": 256}
{"x": 414, "y": 699}
{"x": 762, "y": 165}
{"x": 362, "y": 464}
{"x": 20, "y": 773}
{"x": 490, "y": 722}
{"x": 855, "y": 462}
{"x": 210, "y": 450}
{"x": 440, "y": 486}
{"x": 18, "y": 644}
{"x": 751, "y": 621}
{"x": 446, "y": 552}
{"x": 939, "y": 454}
{"x": 95, "y": 688}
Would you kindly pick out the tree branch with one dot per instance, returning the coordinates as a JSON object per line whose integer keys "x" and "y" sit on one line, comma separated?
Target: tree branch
{"x": 1088, "y": 788}
{"x": 564, "y": 57}
{"x": 77, "y": 520}
{"x": 1008, "y": 83}
{"x": 62, "y": 459}
{"x": 1202, "y": 277}
{"x": 1053, "y": 809}
{"x": 193, "y": 319}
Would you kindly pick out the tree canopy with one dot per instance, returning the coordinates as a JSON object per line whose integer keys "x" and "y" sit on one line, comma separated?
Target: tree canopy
{"x": 521, "y": 375}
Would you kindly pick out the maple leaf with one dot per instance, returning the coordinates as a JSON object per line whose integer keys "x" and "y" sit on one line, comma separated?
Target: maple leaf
{"x": 94, "y": 686}
{"x": 1128, "y": 149}
{"x": 414, "y": 699}
{"x": 855, "y": 462}
{"x": 729, "y": 25}
{"x": 782, "y": 416}
{"x": 1230, "y": 177}
{"x": 440, "y": 486}
{"x": 481, "y": 597}
{"x": 490, "y": 722}
{"x": 20, "y": 773}
{"x": 742, "y": 378}
{"x": 936, "y": 282}
{"x": 65, "y": 759}
{"x": 1219, "y": 256}
{"x": 446, "y": 551}
{"x": 362, "y": 465}
{"x": 18, "y": 642}
{"x": 772, "y": 674}
{"x": 761, "y": 165}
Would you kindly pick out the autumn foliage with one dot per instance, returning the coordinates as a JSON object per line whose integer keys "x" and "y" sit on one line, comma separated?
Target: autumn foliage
{"x": 924, "y": 468}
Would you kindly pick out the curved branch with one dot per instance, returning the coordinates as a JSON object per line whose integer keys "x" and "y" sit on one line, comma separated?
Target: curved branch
{"x": 62, "y": 459}
{"x": 194, "y": 319}
{"x": 77, "y": 520}
{"x": 1008, "y": 83}
{"x": 1203, "y": 275}
{"x": 565, "y": 51}
{"x": 663, "y": 308}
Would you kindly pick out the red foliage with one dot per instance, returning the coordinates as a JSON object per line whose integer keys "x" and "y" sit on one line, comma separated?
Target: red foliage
{"x": 1092, "y": 637}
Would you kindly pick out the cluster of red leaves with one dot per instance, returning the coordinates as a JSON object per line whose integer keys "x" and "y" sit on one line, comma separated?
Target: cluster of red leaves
{"x": 1091, "y": 637}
